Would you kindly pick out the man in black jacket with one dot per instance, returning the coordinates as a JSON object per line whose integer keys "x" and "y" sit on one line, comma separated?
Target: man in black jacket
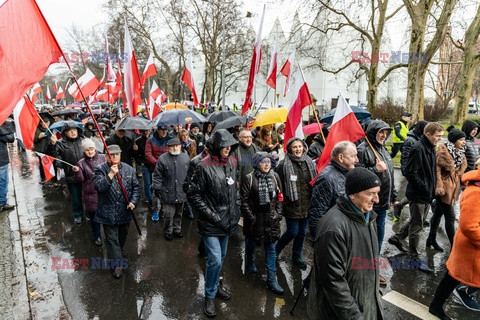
{"x": 422, "y": 179}
{"x": 6, "y": 136}
{"x": 213, "y": 194}
{"x": 330, "y": 183}
{"x": 345, "y": 276}
{"x": 126, "y": 144}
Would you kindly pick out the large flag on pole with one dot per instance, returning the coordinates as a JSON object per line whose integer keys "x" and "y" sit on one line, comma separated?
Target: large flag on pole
{"x": 88, "y": 84}
{"x": 36, "y": 89}
{"x": 187, "y": 78}
{"x": 293, "y": 126}
{"x": 48, "y": 95}
{"x": 150, "y": 69}
{"x": 60, "y": 93}
{"x": 272, "y": 71}
{"x": 345, "y": 126}
{"x": 254, "y": 67}
{"x": 287, "y": 71}
{"x": 23, "y": 27}
{"x": 26, "y": 121}
{"x": 131, "y": 77}
{"x": 110, "y": 74}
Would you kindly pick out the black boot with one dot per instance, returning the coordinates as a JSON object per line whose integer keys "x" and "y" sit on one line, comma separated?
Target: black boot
{"x": 432, "y": 242}
{"x": 272, "y": 283}
{"x": 438, "y": 311}
{"x": 209, "y": 308}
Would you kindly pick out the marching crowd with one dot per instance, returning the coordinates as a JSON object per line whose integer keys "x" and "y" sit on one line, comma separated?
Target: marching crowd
{"x": 218, "y": 176}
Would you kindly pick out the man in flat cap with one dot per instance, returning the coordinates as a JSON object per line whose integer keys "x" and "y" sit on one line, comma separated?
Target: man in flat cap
{"x": 400, "y": 131}
{"x": 345, "y": 275}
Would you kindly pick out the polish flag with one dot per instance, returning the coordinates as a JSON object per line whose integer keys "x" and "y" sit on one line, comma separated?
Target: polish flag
{"x": 108, "y": 64}
{"x": 187, "y": 78}
{"x": 102, "y": 95}
{"x": 293, "y": 126}
{"x": 345, "y": 126}
{"x": 60, "y": 93}
{"x": 154, "y": 91}
{"x": 131, "y": 77}
{"x": 26, "y": 121}
{"x": 23, "y": 28}
{"x": 272, "y": 71}
{"x": 36, "y": 89}
{"x": 254, "y": 67}
{"x": 55, "y": 86}
{"x": 287, "y": 71}
{"x": 153, "y": 108}
{"x": 47, "y": 165}
{"x": 150, "y": 69}
{"x": 88, "y": 84}
{"x": 47, "y": 95}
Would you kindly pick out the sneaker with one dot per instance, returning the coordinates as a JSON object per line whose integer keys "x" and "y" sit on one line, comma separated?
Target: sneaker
{"x": 467, "y": 300}
{"x": 77, "y": 220}
{"x": 168, "y": 236}
{"x": 6, "y": 207}
{"x": 300, "y": 263}
{"x": 155, "y": 216}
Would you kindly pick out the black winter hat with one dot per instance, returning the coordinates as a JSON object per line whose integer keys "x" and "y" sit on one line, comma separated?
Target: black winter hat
{"x": 359, "y": 179}
{"x": 455, "y": 134}
{"x": 194, "y": 125}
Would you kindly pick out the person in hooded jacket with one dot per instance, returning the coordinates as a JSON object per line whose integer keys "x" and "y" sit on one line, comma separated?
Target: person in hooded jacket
{"x": 412, "y": 137}
{"x": 470, "y": 128}
{"x": 296, "y": 171}
{"x": 316, "y": 148}
{"x": 69, "y": 149}
{"x": 261, "y": 205}
{"x": 84, "y": 171}
{"x": 40, "y": 141}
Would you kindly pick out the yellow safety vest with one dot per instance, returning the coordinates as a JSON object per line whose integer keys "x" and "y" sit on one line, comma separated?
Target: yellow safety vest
{"x": 403, "y": 132}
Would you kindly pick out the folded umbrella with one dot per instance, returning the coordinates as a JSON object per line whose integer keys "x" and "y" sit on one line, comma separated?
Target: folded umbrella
{"x": 132, "y": 123}
{"x": 177, "y": 116}
{"x": 230, "y": 123}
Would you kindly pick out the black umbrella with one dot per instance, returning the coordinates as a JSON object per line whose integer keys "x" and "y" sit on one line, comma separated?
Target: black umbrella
{"x": 360, "y": 113}
{"x": 67, "y": 111}
{"x": 177, "y": 116}
{"x": 132, "y": 123}
{"x": 219, "y": 116}
{"x": 46, "y": 116}
{"x": 230, "y": 123}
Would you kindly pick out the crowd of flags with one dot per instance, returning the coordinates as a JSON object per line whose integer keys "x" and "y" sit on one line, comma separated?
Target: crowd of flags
{"x": 24, "y": 67}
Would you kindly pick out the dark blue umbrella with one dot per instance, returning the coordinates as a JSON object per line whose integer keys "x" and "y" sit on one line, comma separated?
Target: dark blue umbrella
{"x": 360, "y": 113}
{"x": 177, "y": 116}
{"x": 59, "y": 125}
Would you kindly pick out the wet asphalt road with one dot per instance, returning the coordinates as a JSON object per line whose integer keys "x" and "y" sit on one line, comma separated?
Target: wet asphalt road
{"x": 164, "y": 279}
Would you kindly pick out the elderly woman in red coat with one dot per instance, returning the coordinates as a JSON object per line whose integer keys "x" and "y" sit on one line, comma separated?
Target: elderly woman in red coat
{"x": 463, "y": 265}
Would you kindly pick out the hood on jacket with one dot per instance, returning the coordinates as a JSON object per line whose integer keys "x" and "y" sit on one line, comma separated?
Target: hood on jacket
{"x": 468, "y": 127}
{"x": 71, "y": 125}
{"x": 471, "y": 176}
{"x": 374, "y": 127}
{"x": 292, "y": 140}
{"x": 419, "y": 127}
{"x": 221, "y": 139}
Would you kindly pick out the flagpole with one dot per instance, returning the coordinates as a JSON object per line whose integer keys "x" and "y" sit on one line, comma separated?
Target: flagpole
{"x": 67, "y": 163}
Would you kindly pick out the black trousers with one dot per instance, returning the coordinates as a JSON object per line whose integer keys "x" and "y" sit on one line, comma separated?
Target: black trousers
{"x": 443, "y": 209}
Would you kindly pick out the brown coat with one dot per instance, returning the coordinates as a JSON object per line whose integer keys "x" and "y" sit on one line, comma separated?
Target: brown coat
{"x": 464, "y": 261}
{"x": 448, "y": 178}
{"x": 192, "y": 150}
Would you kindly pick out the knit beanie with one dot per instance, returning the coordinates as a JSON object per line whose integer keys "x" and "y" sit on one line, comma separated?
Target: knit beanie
{"x": 455, "y": 134}
{"x": 87, "y": 143}
{"x": 359, "y": 179}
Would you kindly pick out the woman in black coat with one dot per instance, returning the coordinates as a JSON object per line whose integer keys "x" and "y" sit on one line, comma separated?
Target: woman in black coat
{"x": 261, "y": 204}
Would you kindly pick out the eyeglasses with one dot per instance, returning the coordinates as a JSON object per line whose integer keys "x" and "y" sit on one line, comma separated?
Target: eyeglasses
{"x": 246, "y": 137}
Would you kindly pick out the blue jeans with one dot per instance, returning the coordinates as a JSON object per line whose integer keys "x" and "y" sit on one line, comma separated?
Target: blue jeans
{"x": 147, "y": 181}
{"x": 296, "y": 230}
{"x": 3, "y": 184}
{"x": 270, "y": 254}
{"x": 216, "y": 249}
{"x": 381, "y": 215}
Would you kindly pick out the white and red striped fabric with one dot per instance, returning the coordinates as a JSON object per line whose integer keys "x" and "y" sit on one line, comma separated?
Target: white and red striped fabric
{"x": 88, "y": 84}
{"x": 60, "y": 93}
{"x": 153, "y": 108}
{"x": 26, "y": 121}
{"x": 150, "y": 69}
{"x": 344, "y": 126}
{"x": 272, "y": 71}
{"x": 131, "y": 77}
{"x": 287, "y": 71}
{"x": 187, "y": 78}
{"x": 154, "y": 91}
{"x": 254, "y": 67}
{"x": 293, "y": 126}
{"x": 55, "y": 86}
{"x": 47, "y": 165}
{"x": 36, "y": 89}
{"x": 47, "y": 94}
{"x": 110, "y": 74}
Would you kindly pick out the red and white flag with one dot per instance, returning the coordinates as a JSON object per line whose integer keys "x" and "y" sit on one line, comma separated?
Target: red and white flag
{"x": 293, "y": 126}
{"x": 287, "y": 71}
{"x": 187, "y": 78}
{"x": 150, "y": 69}
{"x": 88, "y": 84}
{"x": 153, "y": 108}
{"x": 47, "y": 94}
{"x": 254, "y": 67}
{"x": 47, "y": 165}
{"x": 110, "y": 74}
{"x": 272, "y": 71}
{"x": 344, "y": 126}
{"x": 131, "y": 76}
{"x": 55, "y": 86}
{"x": 28, "y": 47}
{"x": 26, "y": 121}
{"x": 60, "y": 93}
{"x": 155, "y": 91}
{"x": 36, "y": 89}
